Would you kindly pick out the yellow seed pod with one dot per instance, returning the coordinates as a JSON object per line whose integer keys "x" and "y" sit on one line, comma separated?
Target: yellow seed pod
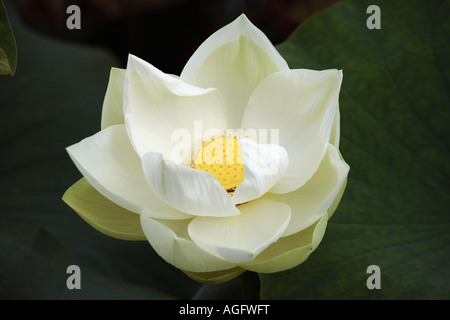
{"x": 223, "y": 159}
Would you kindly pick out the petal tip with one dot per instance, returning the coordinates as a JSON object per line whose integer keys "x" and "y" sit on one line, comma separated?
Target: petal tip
{"x": 243, "y": 19}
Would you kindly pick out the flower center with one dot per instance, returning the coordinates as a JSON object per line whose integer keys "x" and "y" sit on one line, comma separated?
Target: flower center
{"x": 223, "y": 159}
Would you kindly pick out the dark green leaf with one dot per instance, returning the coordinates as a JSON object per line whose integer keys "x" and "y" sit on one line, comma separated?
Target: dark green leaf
{"x": 395, "y": 115}
{"x": 8, "y": 51}
{"x": 34, "y": 266}
{"x": 53, "y": 102}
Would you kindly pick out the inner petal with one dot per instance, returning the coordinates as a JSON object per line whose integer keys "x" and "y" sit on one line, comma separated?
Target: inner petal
{"x": 223, "y": 159}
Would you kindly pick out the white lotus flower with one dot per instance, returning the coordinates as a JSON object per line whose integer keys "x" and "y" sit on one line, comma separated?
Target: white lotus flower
{"x": 222, "y": 201}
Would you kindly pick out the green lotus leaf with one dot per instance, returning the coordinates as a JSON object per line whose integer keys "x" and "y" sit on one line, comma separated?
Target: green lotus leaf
{"x": 8, "y": 50}
{"x": 395, "y": 212}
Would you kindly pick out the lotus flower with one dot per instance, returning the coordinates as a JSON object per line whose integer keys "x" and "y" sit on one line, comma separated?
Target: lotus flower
{"x": 232, "y": 166}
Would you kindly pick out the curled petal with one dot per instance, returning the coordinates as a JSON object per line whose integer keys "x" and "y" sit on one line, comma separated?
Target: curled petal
{"x": 107, "y": 160}
{"x": 310, "y": 202}
{"x": 264, "y": 165}
{"x": 301, "y": 104}
{"x": 335, "y": 136}
{"x": 186, "y": 189}
{"x": 289, "y": 252}
{"x": 241, "y": 238}
{"x": 159, "y": 108}
{"x": 170, "y": 240}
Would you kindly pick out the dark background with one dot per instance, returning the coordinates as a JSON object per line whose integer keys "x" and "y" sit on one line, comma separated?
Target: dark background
{"x": 163, "y": 32}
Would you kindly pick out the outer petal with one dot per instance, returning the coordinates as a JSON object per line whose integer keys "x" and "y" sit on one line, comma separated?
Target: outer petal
{"x": 108, "y": 161}
{"x": 310, "y": 202}
{"x": 264, "y": 165}
{"x": 241, "y": 238}
{"x": 112, "y": 112}
{"x": 170, "y": 240}
{"x": 215, "y": 277}
{"x": 289, "y": 252}
{"x": 335, "y": 136}
{"x": 301, "y": 104}
{"x": 186, "y": 189}
{"x": 102, "y": 214}
{"x": 234, "y": 60}
{"x": 159, "y": 108}
{"x": 336, "y": 201}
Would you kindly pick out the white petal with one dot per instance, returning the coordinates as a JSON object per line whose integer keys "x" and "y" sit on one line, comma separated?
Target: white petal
{"x": 108, "y": 161}
{"x": 234, "y": 59}
{"x": 310, "y": 202}
{"x": 215, "y": 277}
{"x": 241, "y": 238}
{"x": 186, "y": 189}
{"x": 103, "y": 214}
{"x": 301, "y": 104}
{"x": 289, "y": 252}
{"x": 171, "y": 241}
{"x": 335, "y": 136}
{"x": 264, "y": 164}
{"x": 159, "y": 108}
{"x": 112, "y": 112}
